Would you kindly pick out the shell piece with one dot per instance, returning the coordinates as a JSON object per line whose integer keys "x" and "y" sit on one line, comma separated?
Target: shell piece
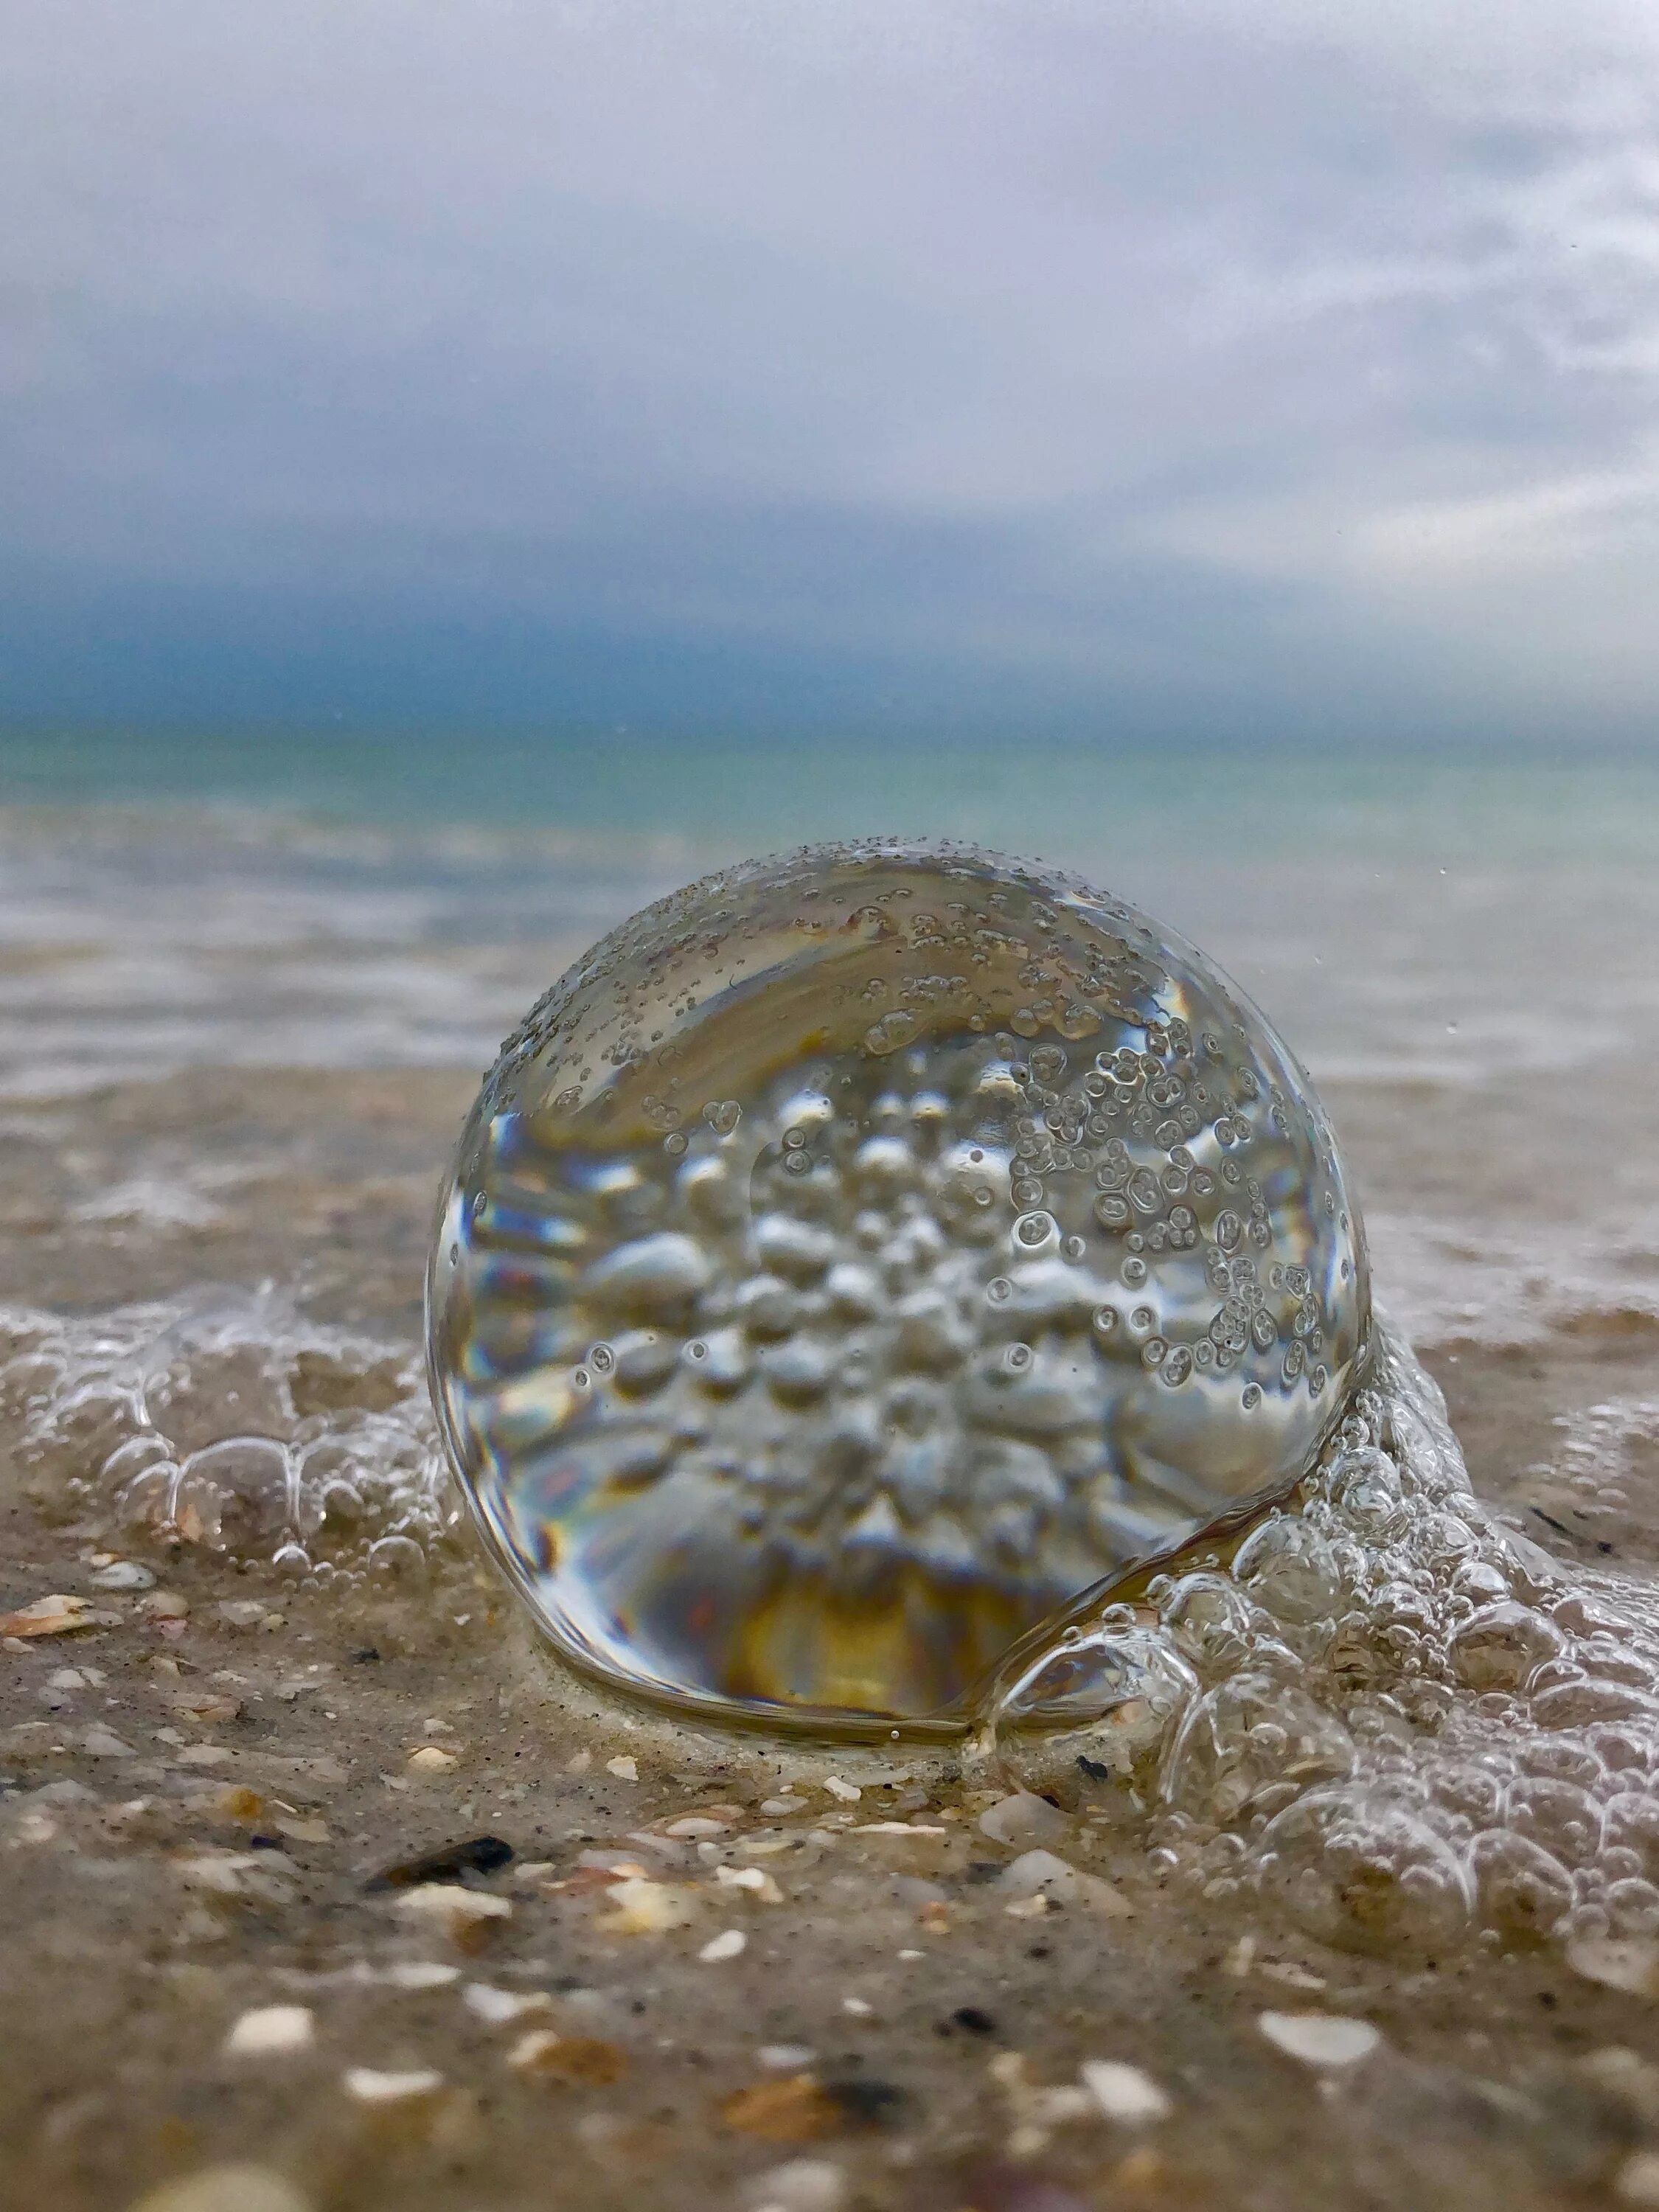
{"x": 859, "y": 1255}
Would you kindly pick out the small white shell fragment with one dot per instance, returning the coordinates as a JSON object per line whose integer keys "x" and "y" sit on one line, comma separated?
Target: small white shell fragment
{"x": 785, "y": 2058}
{"x": 429, "y": 1759}
{"x": 624, "y": 1769}
{"x": 1022, "y": 1818}
{"x": 225, "y": 1874}
{"x": 497, "y": 2008}
{"x": 102, "y": 1742}
{"x": 754, "y": 1880}
{"x": 271, "y": 2032}
{"x": 447, "y": 1906}
{"x": 532, "y": 2048}
{"x": 1637, "y": 2181}
{"x": 1039, "y": 1873}
{"x": 804, "y": 2185}
{"x": 844, "y": 1792}
{"x": 58, "y": 1615}
{"x": 643, "y": 1907}
{"x": 1123, "y": 2093}
{"x": 730, "y": 1943}
{"x": 371, "y": 2086}
{"x": 420, "y": 1974}
{"x": 230, "y": 2188}
{"x": 1320, "y": 2039}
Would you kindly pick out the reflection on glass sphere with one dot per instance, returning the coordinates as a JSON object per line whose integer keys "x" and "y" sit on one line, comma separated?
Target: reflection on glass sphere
{"x": 860, "y": 1253}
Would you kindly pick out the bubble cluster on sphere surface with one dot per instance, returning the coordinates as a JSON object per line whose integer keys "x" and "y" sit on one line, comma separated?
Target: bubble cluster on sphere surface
{"x": 861, "y": 1253}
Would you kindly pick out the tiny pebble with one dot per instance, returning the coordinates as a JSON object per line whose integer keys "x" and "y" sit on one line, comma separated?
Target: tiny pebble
{"x": 272, "y": 2030}
{"x": 730, "y": 1943}
{"x": 625, "y": 1769}
{"x": 859, "y": 2008}
{"x": 1039, "y": 1875}
{"x": 1630, "y": 1963}
{"x": 123, "y": 1575}
{"x": 476, "y": 1855}
{"x": 1022, "y": 1818}
{"x": 429, "y": 1759}
{"x": 1320, "y": 2039}
{"x": 370, "y": 2086}
{"x": 846, "y": 1793}
{"x": 785, "y": 2058}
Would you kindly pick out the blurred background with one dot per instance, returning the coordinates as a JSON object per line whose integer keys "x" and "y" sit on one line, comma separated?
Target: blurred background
{"x": 468, "y": 469}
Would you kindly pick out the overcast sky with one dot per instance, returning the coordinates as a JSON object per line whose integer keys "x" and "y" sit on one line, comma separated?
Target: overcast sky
{"x": 1203, "y": 367}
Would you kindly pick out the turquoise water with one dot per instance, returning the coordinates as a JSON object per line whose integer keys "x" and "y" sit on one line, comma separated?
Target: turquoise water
{"x": 1071, "y": 802}
{"x": 308, "y": 901}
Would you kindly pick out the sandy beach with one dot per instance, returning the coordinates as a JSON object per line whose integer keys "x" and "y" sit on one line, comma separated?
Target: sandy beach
{"x": 713, "y": 1970}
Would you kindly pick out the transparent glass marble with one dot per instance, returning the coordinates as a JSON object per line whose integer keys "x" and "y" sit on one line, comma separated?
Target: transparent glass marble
{"x": 863, "y": 1252}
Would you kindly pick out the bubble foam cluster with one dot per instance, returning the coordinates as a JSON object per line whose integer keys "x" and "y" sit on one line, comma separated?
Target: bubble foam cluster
{"x": 232, "y": 1424}
{"x": 1379, "y": 1708}
{"x": 859, "y": 1254}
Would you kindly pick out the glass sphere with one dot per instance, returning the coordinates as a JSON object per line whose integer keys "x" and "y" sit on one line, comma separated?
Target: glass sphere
{"x": 862, "y": 1252}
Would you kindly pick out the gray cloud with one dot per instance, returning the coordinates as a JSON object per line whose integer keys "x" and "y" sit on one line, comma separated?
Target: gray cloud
{"x": 1225, "y": 362}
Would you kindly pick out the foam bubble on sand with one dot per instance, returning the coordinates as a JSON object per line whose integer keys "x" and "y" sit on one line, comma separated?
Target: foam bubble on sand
{"x": 231, "y": 1423}
{"x": 1383, "y": 1710}
{"x": 1380, "y": 1712}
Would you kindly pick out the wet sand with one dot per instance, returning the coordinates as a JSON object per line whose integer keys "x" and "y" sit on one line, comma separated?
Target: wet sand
{"x": 190, "y": 1825}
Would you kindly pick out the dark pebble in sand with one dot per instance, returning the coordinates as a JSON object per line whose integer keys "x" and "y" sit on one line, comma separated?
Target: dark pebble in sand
{"x": 869, "y": 2103}
{"x": 450, "y": 1862}
{"x": 1093, "y": 1768}
{"x": 975, "y": 2021}
{"x": 364, "y": 1656}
